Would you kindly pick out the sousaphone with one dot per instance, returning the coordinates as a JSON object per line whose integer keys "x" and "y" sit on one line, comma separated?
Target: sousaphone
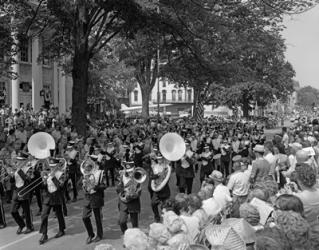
{"x": 40, "y": 144}
{"x": 172, "y": 147}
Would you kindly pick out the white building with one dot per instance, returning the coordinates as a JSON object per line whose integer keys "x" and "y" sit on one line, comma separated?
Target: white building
{"x": 36, "y": 81}
{"x": 181, "y": 98}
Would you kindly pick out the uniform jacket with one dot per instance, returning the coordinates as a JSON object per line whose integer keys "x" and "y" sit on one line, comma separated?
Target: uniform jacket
{"x": 133, "y": 206}
{"x": 55, "y": 198}
{"x": 96, "y": 200}
{"x": 27, "y": 181}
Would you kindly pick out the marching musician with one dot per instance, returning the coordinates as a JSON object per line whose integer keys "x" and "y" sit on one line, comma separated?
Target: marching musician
{"x": 73, "y": 169}
{"x": 161, "y": 191}
{"x": 3, "y": 223}
{"x": 186, "y": 171}
{"x": 93, "y": 186}
{"x": 206, "y": 164}
{"x": 110, "y": 164}
{"x": 37, "y": 188}
{"x": 22, "y": 179}
{"x": 52, "y": 198}
{"x": 129, "y": 200}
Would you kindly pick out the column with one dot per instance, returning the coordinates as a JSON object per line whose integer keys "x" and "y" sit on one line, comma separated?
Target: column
{"x": 37, "y": 81}
{"x": 55, "y": 85}
{"x": 62, "y": 92}
{"x": 15, "y": 82}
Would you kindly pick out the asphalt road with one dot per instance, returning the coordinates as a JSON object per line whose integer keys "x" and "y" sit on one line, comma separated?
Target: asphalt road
{"x": 76, "y": 235}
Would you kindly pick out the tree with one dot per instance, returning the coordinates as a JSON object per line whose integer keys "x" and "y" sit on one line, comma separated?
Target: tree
{"x": 306, "y": 96}
{"x": 78, "y": 30}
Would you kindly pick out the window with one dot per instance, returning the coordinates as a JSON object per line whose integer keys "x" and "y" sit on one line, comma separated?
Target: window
{"x": 180, "y": 95}
{"x": 164, "y": 95}
{"x": 135, "y": 95}
{"x": 164, "y": 83}
{"x": 189, "y": 95}
{"x": 24, "y": 51}
{"x": 174, "y": 95}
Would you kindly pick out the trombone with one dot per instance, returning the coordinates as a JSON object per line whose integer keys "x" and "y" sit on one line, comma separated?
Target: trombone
{"x": 45, "y": 173}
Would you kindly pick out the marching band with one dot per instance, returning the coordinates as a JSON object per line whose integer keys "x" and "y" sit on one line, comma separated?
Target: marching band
{"x": 40, "y": 173}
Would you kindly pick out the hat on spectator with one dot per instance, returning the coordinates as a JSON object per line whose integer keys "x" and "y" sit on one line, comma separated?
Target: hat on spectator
{"x": 224, "y": 236}
{"x": 217, "y": 176}
{"x": 259, "y": 148}
{"x": 237, "y": 158}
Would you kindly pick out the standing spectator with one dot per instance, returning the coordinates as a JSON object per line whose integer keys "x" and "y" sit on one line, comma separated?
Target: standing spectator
{"x": 261, "y": 167}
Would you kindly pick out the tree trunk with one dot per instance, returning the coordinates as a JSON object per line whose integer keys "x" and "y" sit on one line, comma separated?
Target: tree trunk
{"x": 196, "y": 96}
{"x": 145, "y": 102}
{"x": 245, "y": 107}
{"x": 80, "y": 74}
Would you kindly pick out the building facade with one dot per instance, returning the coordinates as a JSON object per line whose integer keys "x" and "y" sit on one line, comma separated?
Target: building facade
{"x": 37, "y": 82}
{"x": 180, "y": 98}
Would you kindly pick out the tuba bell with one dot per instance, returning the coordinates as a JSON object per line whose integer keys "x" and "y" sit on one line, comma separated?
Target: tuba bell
{"x": 172, "y": 146}
{"x": 88, "y": 169}
{"x": 40, "y": 144}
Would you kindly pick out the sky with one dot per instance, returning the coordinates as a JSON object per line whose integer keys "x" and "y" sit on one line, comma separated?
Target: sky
{"x": 302, "y": 40}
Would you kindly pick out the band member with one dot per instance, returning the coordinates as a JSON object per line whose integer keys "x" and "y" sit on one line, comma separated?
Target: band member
{"x": 22, "y": 179}
{"x": 129, "y": 196}
{"x": 37, "y": 190}
{"x": 110, "y": 164}
{"x": 73, "y": 170}
{"x": 206, "y": 164}
{"x": 52, "y": 198}
{"x": 159, "y": 182}
{"x": 3, "y": 223}
{"x": 138, "y": 156}
{"x": 187, "y": 174}
{"x": 94, "y": 186}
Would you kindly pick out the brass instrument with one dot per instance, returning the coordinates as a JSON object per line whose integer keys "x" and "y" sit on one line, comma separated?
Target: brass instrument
{"x": 46, "y": 172}
{"x": 88, "y": 169}
{"x": 131, "y": 180}
{"x": 39, "y": 146}
{"x": 172, "y": 146}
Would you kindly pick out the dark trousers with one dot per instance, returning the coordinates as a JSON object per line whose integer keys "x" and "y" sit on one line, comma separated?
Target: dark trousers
{"x": 186, "y": 185}
{"x": 2, "y": 215}
{"x": 25, "y": 204}
{"x": 124, "y": 217}
{"x": 74, "y": 187}
{"x": 86, "y": 217}
{"x": 111, "y": 171}
{"x": 37, "y": 193}
{"x": 155, "y": 202}
{"x": 9, "y": 195}
{"x": 225, "y": 168}
{"x": 178, "y": 180}
{"x": 45, "y": 215}
{"x": 66, "y": 190}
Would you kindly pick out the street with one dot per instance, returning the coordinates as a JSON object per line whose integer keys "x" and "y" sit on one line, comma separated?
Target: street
{"x": 76, "y": 235}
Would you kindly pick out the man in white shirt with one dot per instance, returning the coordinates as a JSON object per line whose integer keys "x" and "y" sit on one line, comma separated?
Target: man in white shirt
{"x": 268, "y": 156}
{"x": 221, "y": 192}
{"x": 239, "y": 185}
